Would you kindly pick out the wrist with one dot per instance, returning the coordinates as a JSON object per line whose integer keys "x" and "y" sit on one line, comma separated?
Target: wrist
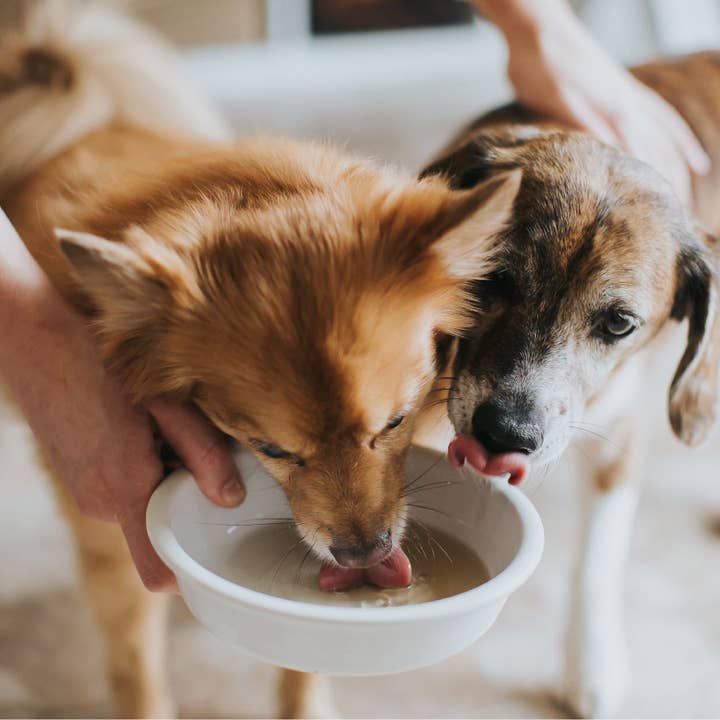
{"x": 33, "y": 318}
{"x": 524, "y": 23}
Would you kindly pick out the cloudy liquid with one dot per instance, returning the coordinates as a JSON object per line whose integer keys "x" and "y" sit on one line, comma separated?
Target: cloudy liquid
{"x": 272, "y": 560}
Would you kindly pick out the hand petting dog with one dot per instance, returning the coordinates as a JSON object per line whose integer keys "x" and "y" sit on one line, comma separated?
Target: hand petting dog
{"x": 551, "y": 59}
{"x": 92, "y": 437}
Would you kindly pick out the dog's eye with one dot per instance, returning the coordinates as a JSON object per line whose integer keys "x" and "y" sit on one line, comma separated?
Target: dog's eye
{"x": 499, "y": 285}
{"x": 394, "y": 422}
{"x": 273, "y": 451}
{"x": 277, "y": 453}
{"x": 615, "y": 325}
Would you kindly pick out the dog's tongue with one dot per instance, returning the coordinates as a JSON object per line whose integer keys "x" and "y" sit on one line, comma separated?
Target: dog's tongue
{"x": 334, "y": 577}
{"x": 394, "y": 571}
{"x": 464, "y": 448}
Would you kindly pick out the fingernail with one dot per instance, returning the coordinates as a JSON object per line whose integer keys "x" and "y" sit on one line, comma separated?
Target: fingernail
{"x": 233, "y": 491}
{"x": 701, "y": 163}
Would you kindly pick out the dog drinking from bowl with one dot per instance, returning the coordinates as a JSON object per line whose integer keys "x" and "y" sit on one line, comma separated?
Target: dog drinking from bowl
{"x": 292, "y": 293}
{"x": 598, "y": 258}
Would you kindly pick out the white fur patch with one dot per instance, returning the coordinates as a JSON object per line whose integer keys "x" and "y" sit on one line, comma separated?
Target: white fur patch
{"x": 597, "y": 669}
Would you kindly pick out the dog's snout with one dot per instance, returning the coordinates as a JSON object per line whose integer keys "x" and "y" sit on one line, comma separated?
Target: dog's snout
{"x": 363, "y": 554}
{"x": 507, "y": 426}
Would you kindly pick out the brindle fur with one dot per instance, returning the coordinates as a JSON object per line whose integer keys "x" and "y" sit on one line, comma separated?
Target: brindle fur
{"x": 592, "y": 230}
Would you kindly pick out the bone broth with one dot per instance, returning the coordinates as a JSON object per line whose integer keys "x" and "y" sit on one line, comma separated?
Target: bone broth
{"x": 272, "y": 560}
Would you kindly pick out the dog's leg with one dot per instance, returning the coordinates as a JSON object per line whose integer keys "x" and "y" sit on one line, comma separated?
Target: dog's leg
{"x": 597, "y": 671}
{"x": 305, "y": 695}
{"x": 132, "y": 620}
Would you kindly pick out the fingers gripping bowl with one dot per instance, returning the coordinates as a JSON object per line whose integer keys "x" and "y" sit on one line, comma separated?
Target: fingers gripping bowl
{"x": 200, "y": 542}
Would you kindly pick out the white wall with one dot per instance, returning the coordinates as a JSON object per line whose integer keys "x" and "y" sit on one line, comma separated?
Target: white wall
{"x": 399, "y": 95}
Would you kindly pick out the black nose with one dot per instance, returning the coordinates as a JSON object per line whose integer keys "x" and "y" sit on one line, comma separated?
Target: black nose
{"x": 364, "y": 554}
{"x": 505, "y": 425}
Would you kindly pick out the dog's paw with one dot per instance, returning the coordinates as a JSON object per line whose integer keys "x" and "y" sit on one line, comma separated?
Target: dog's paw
{"x": 309, "y": 697}
{"x": 318, "y": 708}
{"x": 157, "y": 706}
{"x": 314, "y": 709}
{"x": 598, "y": 689}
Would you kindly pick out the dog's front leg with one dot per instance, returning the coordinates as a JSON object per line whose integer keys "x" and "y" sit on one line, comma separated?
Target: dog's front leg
{"x": 597, "y": 672}
{"x": 305, "y": 695}
{"x": 131, "y": 619}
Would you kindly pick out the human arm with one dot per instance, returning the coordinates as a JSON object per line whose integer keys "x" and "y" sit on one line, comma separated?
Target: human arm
{"x": 558, "y": 68}
{"x": 95, "y": 442}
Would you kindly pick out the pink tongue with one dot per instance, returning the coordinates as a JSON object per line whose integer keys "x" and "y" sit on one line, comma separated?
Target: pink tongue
{"x": 464, "y": 448}
{"x": 394, "y": 571}
{"x": 334, "y": 577}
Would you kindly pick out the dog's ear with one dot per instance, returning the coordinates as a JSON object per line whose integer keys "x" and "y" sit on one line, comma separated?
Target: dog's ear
{"x": 464, "y": 234}
{"x": 436, "y": 241}
{"x": 694, "y": 389}
{"x": 130, "y": 288}
{"x": 430, "y": 225}
{"x": 465, "y": 166}
{"x": 115, "y": 277}
{"x": 477, "y": 156}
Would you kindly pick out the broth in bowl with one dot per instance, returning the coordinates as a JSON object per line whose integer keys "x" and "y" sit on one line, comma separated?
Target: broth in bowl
{"x": 272, "y": 560}
{"x": 369, "y": 633}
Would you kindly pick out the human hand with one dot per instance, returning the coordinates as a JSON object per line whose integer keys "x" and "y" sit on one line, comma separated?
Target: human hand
{"x": 95, "y": 442}
{"x": 557, "y": 68}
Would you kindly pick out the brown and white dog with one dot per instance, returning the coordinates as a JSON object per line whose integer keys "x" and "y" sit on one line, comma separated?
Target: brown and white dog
{"x": 599, "y": 256}
{"x": 292, "y": 293}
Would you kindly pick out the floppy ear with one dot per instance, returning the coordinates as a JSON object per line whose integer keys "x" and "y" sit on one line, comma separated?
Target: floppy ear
{"x": 464, "y": 166}
{"x": 130, "y": 287}
{"x": 478, "y": 156}
{"x": 694, "y": 389}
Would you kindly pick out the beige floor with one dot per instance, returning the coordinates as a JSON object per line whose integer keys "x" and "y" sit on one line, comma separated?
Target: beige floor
{"x": 50, "y": 658}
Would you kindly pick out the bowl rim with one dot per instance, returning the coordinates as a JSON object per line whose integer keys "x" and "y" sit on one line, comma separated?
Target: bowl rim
{"x": 168, "y": 547}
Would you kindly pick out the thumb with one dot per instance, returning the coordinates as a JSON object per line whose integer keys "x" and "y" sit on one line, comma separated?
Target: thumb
{"x": 580, "y": 112}
{"x": 203, "y": 449}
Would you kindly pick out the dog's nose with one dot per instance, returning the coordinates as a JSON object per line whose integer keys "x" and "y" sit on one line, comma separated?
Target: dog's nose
{"x": 365, "y": 554}
{"x": 506, "y": 427}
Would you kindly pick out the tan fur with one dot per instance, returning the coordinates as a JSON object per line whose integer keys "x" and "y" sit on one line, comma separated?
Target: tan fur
{"x": 289, "y": 291}
{"x": 305, "y": 695}
{"x": 202, "y": 299}
{"x": 132, "y": 621}
{"x": 606, "y": 221}
{"x": 235, "y": 341}
{"x": 595, "y": 236}
{"x": 623, "y": 461}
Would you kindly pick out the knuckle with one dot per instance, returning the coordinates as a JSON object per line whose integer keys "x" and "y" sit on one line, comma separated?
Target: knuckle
{"x": 215, "y": 459}
{"x": 159, "y": 582}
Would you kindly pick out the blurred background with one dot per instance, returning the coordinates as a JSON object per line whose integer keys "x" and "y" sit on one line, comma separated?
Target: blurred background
{"x": 393, "y": 79}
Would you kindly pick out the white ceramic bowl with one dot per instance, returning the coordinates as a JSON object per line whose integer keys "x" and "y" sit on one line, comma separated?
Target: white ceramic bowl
{"x": 492, "y": 517}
